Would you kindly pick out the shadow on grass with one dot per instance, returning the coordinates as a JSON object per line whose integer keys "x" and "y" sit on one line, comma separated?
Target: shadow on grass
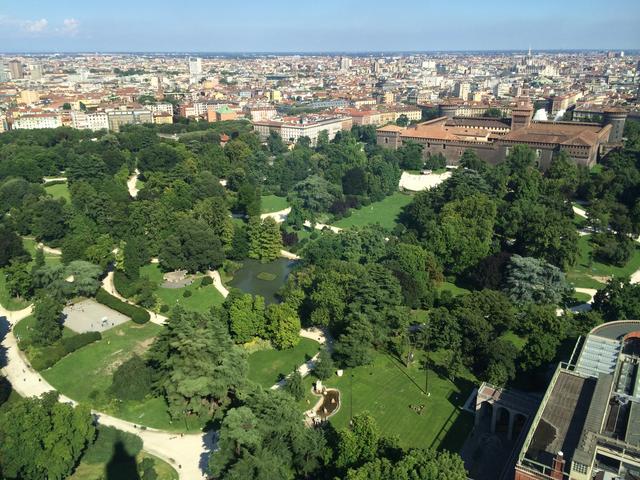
{"x": 122, "y": 465}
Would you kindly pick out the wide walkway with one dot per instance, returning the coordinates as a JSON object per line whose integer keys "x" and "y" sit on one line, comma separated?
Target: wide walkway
{"x": 187, "y": 453}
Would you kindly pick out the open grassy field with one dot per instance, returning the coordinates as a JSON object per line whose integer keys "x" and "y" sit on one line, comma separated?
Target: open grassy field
{"x": 387, "y": 390}
{"x": 272, "y": 203}
{"x": 85, "y": 375}
{"x": 583, "y": 273}
{"x": 266, "y": 366}
{"x": 384, "y": 212}
{"x": 58, "y": 190}
{"x": 97, "y": 471}
{"x": 30, "y": 245}
{"x": 201, "y": 299}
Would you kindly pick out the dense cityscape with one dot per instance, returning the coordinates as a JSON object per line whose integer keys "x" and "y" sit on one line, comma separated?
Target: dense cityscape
{"x": 350, "y": 264}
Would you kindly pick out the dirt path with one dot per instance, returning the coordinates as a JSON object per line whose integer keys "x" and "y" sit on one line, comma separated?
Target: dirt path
{"x": 131, "y": 183}
{"x": 305, "y": 369}
{"x": 217, "y": 282}
{"x": 322, "y": 226}
{"x": 279, "y": 216}
{"x": 185, "y": 453}
{"x": 417, "y": 183}
{"x": 289, "y": 255}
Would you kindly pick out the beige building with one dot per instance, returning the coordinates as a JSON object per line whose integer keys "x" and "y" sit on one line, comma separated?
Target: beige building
{"x": 292, "y": 130}
{"x": 117, "y": 118}
{"x": 28, "y": 97}
{"x": 89, "y": 120}
{"x": 37, "y": 121}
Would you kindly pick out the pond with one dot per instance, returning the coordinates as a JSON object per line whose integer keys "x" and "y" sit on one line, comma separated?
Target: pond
{"x": 262, "y": 278}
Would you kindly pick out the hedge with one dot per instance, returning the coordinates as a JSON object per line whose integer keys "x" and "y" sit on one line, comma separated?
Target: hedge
{"x": 124, "y": 285}
{"x": 137, "y": 314}
{"x": 49, "y": 356}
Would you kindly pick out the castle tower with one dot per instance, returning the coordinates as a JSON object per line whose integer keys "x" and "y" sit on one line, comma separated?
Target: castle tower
{"x": 521, "y": 114}
{"x": 616, "y": 117}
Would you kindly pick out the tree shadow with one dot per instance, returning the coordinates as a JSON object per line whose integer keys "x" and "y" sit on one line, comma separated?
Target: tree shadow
{"x": 4, "y": 329}
{"x": 122, "y": 465}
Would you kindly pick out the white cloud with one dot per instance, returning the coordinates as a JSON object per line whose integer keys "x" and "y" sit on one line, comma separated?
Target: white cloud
{"x": 70, "y": 26}
{"x": 35, "y": 26}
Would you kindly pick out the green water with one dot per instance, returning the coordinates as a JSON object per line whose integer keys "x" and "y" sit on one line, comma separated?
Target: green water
{"x": 246, "y": 278}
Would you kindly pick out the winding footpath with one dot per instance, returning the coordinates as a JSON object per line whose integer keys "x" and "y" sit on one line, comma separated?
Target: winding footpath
{"x": 318, "y": 335}
{"x": 187, "y": 453}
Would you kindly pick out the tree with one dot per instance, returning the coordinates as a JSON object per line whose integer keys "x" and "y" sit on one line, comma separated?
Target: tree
{"x": 283, "y": 325}
{"x": 315, "y": 194}
{"x": 618, "y": 300}
{"x": 48, "y": 324}
{"x": 42, "y": 438}
{"x": 193, "y": 246}
{"x": 435, "y": 162}
{"x": 533, "y": 280}
{"x": 158, "y": 157}
{"x": 18, "y": 279}
{"x": 197, "y": 365}
{"x": 354, "y": 181}
{"x": 214, "y": 212}
{"x": 275, "y": 144}
{"x": 410, "y": 155}
{"x": 324, "y": 367}
{"x": 355, "y": 345}
{"x": 293, "y": 385}
{"x": 10, "y": 246}
{"x": 135, "y": 255}
{"x": 249, "y": 200}
{"x": 132, "y": 380}
{"x": 402, "y": 120}
{"x": 359, "y": 443}
{"x": 493, "y": 112}
{"x": 246, "y": 317}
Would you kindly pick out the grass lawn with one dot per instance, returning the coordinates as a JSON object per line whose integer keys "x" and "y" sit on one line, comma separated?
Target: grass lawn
{"x": 451, "y": 287}
{"x": 85, "y": 375}
{"x": 581, "y": 275}
{"x": 30, "y": 245}
{"x": 201, "y": 299}
{"x": 387, "y": 389}
{"x": 266, "y": 366}
{"x": 384, "y": 212}
{"x": 517, "y": 340}
{"x": 24, "y": 328}
{"x": 59, "y": 190}
{"x": 97, "y": 471}
{"x": 272, "y": 203}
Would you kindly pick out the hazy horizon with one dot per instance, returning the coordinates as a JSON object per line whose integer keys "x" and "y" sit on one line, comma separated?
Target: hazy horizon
{"x": 334, "y": 26}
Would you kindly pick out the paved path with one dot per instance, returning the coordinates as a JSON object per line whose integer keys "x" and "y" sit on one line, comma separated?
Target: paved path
{"x": 322, "y": 226}
{"x": 217, "y": 282}
{"x": 584, "y": 307}
{"x": 54, "y": 179}
{"x": 289, "y": 255}
{"x": 279, "y": 216}
{"x": 579, "y": 211}
{"x": 319, "y": 336}
{"x": 131, "y": 183}
{"x": 186, "y": 453}
{"x": 416, "y": 183}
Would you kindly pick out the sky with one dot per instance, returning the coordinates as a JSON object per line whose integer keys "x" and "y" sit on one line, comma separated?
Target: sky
{"x": 316, "y": 25}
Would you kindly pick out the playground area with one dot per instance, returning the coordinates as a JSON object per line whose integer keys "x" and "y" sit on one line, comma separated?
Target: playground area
{"x": 91, "y": 316}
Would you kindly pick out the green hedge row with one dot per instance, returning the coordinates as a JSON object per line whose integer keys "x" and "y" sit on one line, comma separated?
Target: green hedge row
{"x": 49, "y": 356}
{"x": 124, "y": 285}
{"x": 137, "y": 314}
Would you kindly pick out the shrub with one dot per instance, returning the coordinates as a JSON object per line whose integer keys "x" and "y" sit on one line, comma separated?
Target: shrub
{"x": 46, "y": 357}
{"x": 164, "y": 308}
{"x": 206, "y": 281}
{"x": 187, "y": 293}
{"x": 132, "y": 380}
{"x": 137, "y": 314}
{"x": 124, "y": 285}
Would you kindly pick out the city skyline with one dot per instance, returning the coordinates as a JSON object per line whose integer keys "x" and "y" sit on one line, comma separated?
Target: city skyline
{"x": 330, "y": 27}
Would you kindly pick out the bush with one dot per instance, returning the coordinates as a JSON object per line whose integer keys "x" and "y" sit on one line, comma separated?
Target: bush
{"x": 137, "y": 314}
{"x": 613, "y": 249}
{"x": 206, "y": 281}
{"x": 164, "y": 308}
{"x": 132, "y": 380}
{"x": 124, "y": 285}
{"x": 47, "y": 357}
{"x": 187, "y": 293}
